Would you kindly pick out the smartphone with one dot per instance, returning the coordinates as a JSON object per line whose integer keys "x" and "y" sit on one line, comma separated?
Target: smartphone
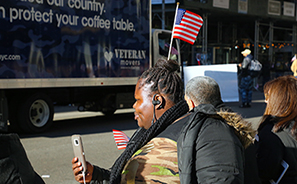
{"x": 79, "y": 150}
{"x": 285, "y": 165}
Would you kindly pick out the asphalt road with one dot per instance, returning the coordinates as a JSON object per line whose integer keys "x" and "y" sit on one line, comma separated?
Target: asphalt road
{"x": 51, "y": 152}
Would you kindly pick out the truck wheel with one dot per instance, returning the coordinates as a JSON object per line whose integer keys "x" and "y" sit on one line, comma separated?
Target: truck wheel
{"x": 108, "y": 105}
{"x": 36, "y": 113}
{"x": 108, "y": 111}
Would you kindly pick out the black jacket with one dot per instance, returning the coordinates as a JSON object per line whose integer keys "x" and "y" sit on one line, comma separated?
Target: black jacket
{"x": 15, "y": 167}
{"x": 211, "y": 146}
{"x": 272, "y": 148}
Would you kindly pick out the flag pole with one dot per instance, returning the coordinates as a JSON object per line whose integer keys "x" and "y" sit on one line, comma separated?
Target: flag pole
{"x": 170, "y": 46}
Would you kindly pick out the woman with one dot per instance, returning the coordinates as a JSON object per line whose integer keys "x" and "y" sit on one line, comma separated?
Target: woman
{"x": 277, "y": 132}
{"x": 159, "y": 103}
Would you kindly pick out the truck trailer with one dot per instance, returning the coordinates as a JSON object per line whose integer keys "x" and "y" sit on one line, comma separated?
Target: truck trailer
{"x": 88, "y": 53}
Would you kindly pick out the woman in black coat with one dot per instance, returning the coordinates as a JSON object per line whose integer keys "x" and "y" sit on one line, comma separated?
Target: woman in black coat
{"x": 277, "y": 132}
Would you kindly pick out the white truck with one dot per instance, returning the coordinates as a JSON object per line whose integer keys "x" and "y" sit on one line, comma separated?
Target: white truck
{"x": 88, "y": 53}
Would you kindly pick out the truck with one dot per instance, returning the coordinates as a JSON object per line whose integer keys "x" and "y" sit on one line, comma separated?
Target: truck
{"x": 88, "y": 53}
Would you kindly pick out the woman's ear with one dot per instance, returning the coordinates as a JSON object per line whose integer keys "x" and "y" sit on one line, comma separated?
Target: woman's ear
{"x": 158, "y": 101}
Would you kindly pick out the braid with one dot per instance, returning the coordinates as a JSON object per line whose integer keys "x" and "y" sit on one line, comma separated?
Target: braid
{"x": 142, "y": 137}
{"x": 164, "y": 79}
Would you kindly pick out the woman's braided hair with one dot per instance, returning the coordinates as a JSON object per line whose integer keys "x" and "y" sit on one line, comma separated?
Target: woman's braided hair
{"x": 164, "y": 80}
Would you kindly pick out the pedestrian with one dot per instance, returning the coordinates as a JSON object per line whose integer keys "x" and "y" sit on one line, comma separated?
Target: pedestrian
{"x": 246, "y": 81}
{"x": 294, "y": 66}
{"x": 277, "y": 132}
{"x": 212, "y": 143}
{"x": 151, "y": 153}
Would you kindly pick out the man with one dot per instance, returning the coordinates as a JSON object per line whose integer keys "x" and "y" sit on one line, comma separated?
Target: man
{"x": 246, "y": 82}
{"x": 211, "y": 144}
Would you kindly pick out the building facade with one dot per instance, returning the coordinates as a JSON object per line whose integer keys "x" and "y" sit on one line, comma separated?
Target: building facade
{"x": 267, "y": 27}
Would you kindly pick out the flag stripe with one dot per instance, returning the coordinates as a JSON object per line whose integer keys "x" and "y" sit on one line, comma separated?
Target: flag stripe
{"x": 183, "y": 34}
{"x": 195, "y": 20}
{"x": 186, "y": 39}
{"x": 194, "y": 15}
{"x": 190, "y": 23}
{"x": 189, "y": 31}
{"x": 187, "y": 25}
{"x": 120, "y": 138}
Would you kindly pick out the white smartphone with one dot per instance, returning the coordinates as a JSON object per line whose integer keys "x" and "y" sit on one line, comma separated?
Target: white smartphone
{"x": 79, "y": 150}
{"x": 285, "y": 166}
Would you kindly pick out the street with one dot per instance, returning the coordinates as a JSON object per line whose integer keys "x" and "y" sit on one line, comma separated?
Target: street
{"x": 50, "y": 153}
{"x": 91, "y": 53}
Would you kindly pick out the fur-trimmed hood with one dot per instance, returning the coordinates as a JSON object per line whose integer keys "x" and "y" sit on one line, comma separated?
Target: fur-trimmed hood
{"x": 243, "y": 129}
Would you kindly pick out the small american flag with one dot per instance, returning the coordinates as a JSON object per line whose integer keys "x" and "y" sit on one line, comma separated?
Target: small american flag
{"x": 187, "y": 25}
{"x": 120, "y": 138}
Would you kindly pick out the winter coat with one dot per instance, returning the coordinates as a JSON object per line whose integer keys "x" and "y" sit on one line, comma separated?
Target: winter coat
{"x": 15, "y": 167}
{"x": 156, "y": 162}
{"x": 147, "y": 161}
{"x": 272, "y": 148}
{"x": 211, "y": 146}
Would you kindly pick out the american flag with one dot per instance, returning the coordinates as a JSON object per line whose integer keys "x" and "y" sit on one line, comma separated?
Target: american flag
{"x": 120, "y": 138}
{"x": 187, "y": 25}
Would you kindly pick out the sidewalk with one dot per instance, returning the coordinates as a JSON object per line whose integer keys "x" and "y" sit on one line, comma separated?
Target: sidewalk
{"x": 252, "y": 114}
{"x": 255, "y": 112}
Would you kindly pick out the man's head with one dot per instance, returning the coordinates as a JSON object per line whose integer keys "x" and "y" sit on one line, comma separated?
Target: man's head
{"x": 246, "y": 52}
{"x": 202, "y": 90}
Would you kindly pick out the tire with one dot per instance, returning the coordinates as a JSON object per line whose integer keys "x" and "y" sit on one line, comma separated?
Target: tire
{"x": 108, "y": 105}
{"x": 108, "y": 112}
{"x": 36, "y": 113}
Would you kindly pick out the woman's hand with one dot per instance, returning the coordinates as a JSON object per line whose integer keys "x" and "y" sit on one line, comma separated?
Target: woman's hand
{"x": 77, "y": 171}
